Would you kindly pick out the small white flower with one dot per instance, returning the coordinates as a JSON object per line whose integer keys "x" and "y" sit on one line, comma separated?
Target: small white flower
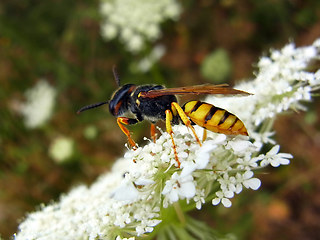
{"x": 61, "y": 149}
{"x": 178, "y": 187}
{"x": 39, "y": 104}
{"x": 247, "y": 162}
{"x": 248, "y": 181}
{"x": 227, "y": 183}
{"x": 253, "y": 183}
{"x": 262, "y": 138}
{"x": 276, "y": 159}
{"x": 199, "y": 198}
{"x": 223, "y": 199}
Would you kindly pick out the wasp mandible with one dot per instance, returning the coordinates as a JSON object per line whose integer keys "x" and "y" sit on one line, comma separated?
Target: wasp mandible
{"x": 131, "y": 104}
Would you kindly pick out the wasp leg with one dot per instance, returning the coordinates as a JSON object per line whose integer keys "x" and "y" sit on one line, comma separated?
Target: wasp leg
{"x": 127, "y": 121}
{"x": 204, "y": 135}
{"x": 153, "y": 132}
{"x": 169, "y": 130}
{"x": 185, "y": 119}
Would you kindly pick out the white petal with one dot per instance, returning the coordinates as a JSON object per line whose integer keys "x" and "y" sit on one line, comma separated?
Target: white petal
{"x": 264, "y": 163}
{"x": 273, "y": 150}
{"x": 240, "y": 145}
{"x": 275, "y": 163}
{"x": 202, "y": 160}
{"x": 188, "y": 190}
{"x": 248, "y": 174}
{"x": 232, "y": 187}
{"x": 238, "y": 188}
{"x": 284, "y": 161}
{"x": 173, "y": 195}
{"x": 187, "y": 168}
{"x": 198, "y": 205}
{"x": 253, "y": 183}
{"x": 182, "y": 155}
{"x": 149, "y": 229}
{"x": 167, "y": 188}
{"x": 216, "y": 201}
{"x": 226, "y": 202}
{"x": 208, "y": 146}
{"x": 125, "y": 192}
{"x": 144, "y": 181}
{"x": 220, "y": 138}
{"x": 285, "y": 155}
{"x": 229, "y": 194}
{"x": 219, "y": 194}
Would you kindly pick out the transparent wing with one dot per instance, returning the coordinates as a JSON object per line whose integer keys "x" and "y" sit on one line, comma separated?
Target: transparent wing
{"x": 195, "y": 90}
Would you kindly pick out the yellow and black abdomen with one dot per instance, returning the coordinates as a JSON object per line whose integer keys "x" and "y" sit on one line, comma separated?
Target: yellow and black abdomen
{"x": 214, "y": 119}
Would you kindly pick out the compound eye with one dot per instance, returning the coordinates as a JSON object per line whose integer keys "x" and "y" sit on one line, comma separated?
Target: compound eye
{"x": 114, "y": 107}
{"x": 119, "y": 103}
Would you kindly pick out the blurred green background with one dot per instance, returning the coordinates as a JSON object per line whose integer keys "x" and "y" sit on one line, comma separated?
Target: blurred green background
{"x": 61, "y": 42}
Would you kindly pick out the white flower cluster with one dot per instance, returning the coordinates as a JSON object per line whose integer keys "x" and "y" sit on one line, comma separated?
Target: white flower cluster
{"x": 136, "y": 22}
{"x": 222, "y": 166}
{"x": 283, "y": 82}
{"x": 128, "y": 201}
{"x": 95, "y": 212}
{"x": 39, "y": 104}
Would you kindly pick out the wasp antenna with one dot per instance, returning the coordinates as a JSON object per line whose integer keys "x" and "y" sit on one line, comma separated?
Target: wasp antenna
{"x": 116, "y": 75}
{"x": 91, "y": 106}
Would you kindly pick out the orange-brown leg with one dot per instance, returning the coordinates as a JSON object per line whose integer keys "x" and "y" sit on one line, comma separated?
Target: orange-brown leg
{"x": 204, "y": 135}
{"x": 153, "y": 132}
{"x": 127, "y": 121}
{"x": 169, "y": 130}
{"x": 185, "y": 119}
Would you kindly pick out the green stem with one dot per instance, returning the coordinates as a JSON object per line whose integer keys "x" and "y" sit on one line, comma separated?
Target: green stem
{"x": 267, "y": 125}
{"x": 179, "y": 212}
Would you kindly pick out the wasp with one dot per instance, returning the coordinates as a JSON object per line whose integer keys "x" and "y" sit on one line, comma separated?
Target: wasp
{"x": 131, "y": 104}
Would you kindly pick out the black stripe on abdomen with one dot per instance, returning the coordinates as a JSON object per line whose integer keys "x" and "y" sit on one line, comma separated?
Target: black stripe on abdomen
{"x": 234, "y": 123}
{"x": 224, "y": 118}
{"x": 210, "y": 114}
{"x": 196, "y": 106}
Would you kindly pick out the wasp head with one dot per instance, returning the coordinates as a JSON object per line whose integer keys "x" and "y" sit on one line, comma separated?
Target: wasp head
{"x": 119, "y": 102}
{"x": 120, "y": 99}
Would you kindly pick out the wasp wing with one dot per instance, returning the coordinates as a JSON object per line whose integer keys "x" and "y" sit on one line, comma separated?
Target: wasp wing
{"x": 194, "y": 90}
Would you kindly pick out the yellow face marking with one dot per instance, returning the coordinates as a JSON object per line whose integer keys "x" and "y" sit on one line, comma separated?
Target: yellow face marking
{"x": 138, "y": 102}
{"x": 214, "y": 121}
{"x": 228, "y": 122}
